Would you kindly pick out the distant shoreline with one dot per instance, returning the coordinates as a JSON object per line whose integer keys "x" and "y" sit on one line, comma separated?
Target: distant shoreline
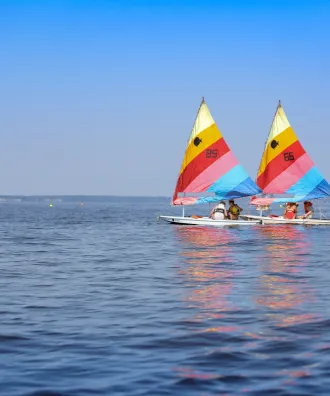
{"x": 78, "y": 195}
{"x": 75, "y": 198}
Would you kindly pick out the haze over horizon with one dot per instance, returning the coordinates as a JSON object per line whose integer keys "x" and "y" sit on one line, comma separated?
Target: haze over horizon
{"x": 98, "y": 97}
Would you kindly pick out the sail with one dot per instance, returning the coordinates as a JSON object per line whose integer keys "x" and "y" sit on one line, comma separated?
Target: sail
{"x": 286, "y": 168}
{"x": 210, "y": 167}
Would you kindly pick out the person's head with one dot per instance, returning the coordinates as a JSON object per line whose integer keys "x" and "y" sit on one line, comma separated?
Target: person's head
{"x": 307, "y": 203}
{"x": 231, "y": 202}
{"x": 223, "y": 202}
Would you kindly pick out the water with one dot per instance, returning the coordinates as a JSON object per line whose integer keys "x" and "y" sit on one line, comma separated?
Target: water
{"x": 101, "y": 300}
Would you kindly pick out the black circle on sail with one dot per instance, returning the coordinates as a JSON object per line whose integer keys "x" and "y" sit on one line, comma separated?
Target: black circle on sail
{"x": 197, "y": 141}
{"x": 273, "y": 144}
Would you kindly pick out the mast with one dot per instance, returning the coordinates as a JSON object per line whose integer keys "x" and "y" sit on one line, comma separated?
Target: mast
{"x": 279, "y": 105}
{"x": 203, "y": 101}
{"x": 195, "y": 119}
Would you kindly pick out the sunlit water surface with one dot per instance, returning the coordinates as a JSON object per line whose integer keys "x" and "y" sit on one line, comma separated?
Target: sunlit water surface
{"x": 99, "y": 299}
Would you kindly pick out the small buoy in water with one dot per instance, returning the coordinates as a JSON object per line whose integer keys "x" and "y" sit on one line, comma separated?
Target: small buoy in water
{"x": 50, "y": 205}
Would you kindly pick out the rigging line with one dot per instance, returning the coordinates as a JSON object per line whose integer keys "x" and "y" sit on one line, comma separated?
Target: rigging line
{"x": 322, "y": 202}
{"x": 320, "y": 208}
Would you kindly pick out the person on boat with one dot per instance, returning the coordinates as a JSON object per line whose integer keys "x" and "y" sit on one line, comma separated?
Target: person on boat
{"x": 234, "y": 210}
{"x": 309, "y": 211}
{"x": 290, "y": 211}
{"x": 219, "y": 212}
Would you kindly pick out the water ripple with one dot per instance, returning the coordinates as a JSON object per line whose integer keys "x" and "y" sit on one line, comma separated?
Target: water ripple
{"x": 102, "y": 300}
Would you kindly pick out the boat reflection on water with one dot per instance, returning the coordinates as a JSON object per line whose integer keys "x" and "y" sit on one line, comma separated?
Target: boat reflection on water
{"x": 284, "y": 289}
{"x": 246, "y": 317}
{"x": 207, "y": 265}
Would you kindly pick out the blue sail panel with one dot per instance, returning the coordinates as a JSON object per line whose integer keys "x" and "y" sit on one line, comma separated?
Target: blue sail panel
{"x": 234, "y": 184}
{"x": 311, "y": 186}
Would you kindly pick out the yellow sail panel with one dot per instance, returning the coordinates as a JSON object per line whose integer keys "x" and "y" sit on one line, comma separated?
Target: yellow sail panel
{"x": 199, "y": 143}
{"x": 280, "y": 124}
{"x": 276, "y": 145}
{"x": 203, "y": 121}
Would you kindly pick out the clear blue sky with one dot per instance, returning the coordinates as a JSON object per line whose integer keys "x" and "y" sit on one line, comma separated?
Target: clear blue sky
{"x": 99, "y": 96}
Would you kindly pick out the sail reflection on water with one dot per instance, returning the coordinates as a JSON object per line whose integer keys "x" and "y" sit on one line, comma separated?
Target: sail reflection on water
{"x": 207, "y": 265}
{"x": 283, "y": 288}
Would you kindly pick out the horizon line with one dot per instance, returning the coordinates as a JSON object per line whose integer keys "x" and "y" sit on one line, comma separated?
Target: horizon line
{"x": 84, "y": 195}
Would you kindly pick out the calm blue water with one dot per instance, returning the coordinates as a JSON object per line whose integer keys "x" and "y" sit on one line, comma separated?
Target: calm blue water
{"x": 101, "y": 300}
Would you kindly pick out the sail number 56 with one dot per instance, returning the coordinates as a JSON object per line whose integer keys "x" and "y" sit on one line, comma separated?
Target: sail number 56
{"x": 211, "y": 153}
{"x": 288, "y": 156}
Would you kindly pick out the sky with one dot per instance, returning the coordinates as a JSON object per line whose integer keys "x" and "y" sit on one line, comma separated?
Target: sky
{"x": 99, "y": 96}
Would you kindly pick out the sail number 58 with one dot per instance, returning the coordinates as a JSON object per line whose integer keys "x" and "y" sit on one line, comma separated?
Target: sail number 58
{"x": 288, "y": 156}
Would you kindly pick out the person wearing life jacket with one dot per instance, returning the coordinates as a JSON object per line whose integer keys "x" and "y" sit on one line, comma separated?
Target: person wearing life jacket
{"x": 234, "y": 210}
{"x": 290, "y": 211}
{"x": 309, "y": 211}
{"x": 219, "y": 212}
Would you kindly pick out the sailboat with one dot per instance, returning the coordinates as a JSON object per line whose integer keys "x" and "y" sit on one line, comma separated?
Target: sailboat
{"x": 209, "y": 173}
{"x": 287, "y": 173}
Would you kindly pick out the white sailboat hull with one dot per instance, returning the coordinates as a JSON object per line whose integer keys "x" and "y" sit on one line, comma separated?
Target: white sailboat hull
{"x": 281, "y": 220}
{"x": 206, "y": 221}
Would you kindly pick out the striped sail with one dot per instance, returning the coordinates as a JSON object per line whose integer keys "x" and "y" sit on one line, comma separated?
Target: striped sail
{"x": 286, "y": 168}
{"x": 210, "y": 167}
